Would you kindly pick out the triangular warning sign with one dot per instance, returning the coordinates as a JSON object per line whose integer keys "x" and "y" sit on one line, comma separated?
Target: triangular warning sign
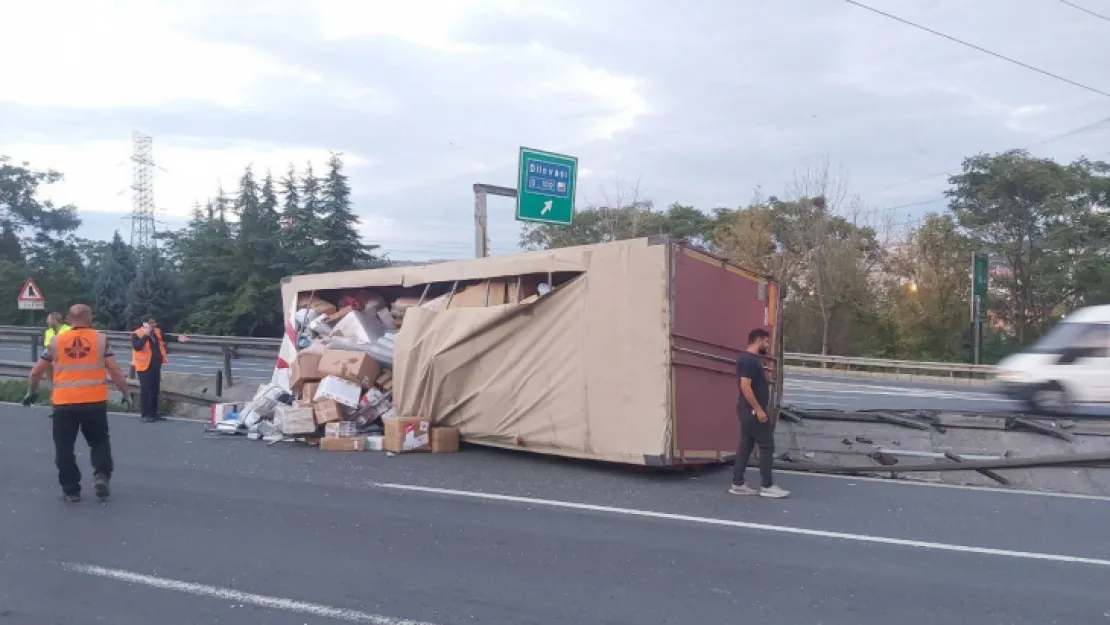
{"x": 30, "y": 292}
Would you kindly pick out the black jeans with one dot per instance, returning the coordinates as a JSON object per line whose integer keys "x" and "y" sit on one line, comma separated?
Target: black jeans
{"x": 150, "y": 385}
{"x": 753, "y": 434}
{"x": 92, "y": 421}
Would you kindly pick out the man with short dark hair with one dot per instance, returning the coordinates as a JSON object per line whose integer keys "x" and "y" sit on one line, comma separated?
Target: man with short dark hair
{"x": 756, "y": 428}
{"x": 148, "y": 354}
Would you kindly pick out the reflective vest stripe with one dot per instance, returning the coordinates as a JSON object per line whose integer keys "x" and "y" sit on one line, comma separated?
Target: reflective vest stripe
{"x": 78, "y": 384}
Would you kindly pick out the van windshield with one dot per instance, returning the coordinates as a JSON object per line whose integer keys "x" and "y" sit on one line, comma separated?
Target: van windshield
{"x": 1066, "y": 335}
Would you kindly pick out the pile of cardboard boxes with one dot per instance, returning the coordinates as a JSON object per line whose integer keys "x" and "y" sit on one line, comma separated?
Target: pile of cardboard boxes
{"x": 342, "y": 379}
{"x": 340, "y": 393}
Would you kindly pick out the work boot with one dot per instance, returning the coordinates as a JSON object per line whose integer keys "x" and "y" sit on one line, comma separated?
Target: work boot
{"x": 71, "y": 497}
{"x": 100, "y": 487}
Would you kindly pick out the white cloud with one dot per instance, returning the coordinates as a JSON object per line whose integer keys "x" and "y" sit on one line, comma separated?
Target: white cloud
{"x": 98, "y": 174}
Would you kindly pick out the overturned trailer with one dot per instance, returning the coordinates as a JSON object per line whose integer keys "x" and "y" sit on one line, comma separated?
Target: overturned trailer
{"x": 619, "y": 352}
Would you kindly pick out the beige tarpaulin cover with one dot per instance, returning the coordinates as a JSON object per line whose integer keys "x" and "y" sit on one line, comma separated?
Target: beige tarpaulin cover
{"x": 582, "y": 371}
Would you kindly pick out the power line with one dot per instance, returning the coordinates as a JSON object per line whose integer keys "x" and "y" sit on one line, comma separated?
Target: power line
{"x": 1085, "y": 10}
{"x": 1052, "y": 139}
{"x": 979, "y": 48}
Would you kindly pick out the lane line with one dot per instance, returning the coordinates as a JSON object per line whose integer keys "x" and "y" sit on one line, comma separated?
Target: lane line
{"x": 238, "y": 596}
{"x": 983, "y": 489}
{"x": 764, "y": 527}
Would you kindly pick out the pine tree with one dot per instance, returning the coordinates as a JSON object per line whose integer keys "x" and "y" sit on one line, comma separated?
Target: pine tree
{"x": 205, "y": 253}
{"x": 256, "y": 302}
{"x": 114, "y": 276}
{"x": 153, "y": 291}
{"x": 299, "y": 220}
{"x": 341, "y": 244}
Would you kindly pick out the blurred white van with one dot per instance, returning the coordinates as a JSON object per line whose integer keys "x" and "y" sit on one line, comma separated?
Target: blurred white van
{"x": 1067, "y": 368}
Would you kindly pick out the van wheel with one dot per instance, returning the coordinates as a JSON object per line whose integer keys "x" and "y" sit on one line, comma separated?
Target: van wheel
{"x": 1051, "y": 399}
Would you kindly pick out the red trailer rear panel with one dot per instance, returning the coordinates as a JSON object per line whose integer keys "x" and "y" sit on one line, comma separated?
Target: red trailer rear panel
{"x": 713, "y": 307}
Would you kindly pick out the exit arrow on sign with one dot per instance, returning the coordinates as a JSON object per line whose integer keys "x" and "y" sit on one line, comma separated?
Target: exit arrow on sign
{"x": 546, "y": 207}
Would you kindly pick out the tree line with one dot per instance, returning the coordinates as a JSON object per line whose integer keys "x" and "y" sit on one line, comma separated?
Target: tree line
{"x": 218, "y": 275}
{"x": 859, "y": 283}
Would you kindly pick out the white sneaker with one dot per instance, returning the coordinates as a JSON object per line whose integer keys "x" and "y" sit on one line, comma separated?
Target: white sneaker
{"x": 742, "y": 489}
{"x": 774, "y": 492}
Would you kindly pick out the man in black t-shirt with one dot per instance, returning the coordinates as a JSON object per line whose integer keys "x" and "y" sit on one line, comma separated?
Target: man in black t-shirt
{"x": 755, "y": 425}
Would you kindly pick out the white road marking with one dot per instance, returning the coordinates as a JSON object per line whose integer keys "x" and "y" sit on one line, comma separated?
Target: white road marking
{"x": 237, "y": 596}
{"x": 764, "y": 527}
{"x": 985, "y": 489}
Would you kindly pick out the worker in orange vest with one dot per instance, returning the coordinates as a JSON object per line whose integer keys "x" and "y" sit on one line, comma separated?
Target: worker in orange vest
{"x": 148, "y": 354}
{"x": 80, "y": 358}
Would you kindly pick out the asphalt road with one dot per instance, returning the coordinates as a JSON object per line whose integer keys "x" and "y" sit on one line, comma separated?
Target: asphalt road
{"x": 230, "y": 531}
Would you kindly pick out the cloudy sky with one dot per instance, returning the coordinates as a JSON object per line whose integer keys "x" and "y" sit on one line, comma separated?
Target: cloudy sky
{"x": 697, "y": 102}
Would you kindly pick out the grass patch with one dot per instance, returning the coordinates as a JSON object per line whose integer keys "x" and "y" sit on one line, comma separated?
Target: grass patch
{"x": 15, "y": 390}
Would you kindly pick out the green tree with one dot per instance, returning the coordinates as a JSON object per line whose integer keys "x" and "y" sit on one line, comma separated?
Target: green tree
{"x": 1035, "y": 217}
{"x": 341, "y": 245}
{"x": 931, "y": 290}
{"x": 299, "y": 220}
{"x": 115, "y": 273}
{"x": 256, "y": 301}
{"x": 154, "y": 291}
{"x": 204, "y": 253}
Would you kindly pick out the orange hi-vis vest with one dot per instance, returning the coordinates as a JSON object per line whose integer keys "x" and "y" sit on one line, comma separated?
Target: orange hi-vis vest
{"x": 140, "y": 358}
{"x": 79, "y": 372}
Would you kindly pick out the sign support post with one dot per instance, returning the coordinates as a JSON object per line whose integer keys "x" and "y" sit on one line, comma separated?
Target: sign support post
{"x": 546, "y": 186}
{"x": 980, "y": 279}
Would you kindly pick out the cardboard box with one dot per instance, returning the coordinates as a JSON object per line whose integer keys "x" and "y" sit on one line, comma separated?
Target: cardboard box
{"x": 336, "y": 316}
{"x": 407, "y": 435}
{"x": 353, "y": 443}
{"x": 445, "y": 440}
{"x": 309, "y": 300}
{"x": 488, "y": 293}
{"x": 308, "y": 390}
{"x": 357, "y": 367}
{"x": 343, "y": 391}
{"x": 340, "y": 429}
{"x": 295, "y": 420}
{"x": 328, "y": 411}
{"x": 385, "y": 380}
{"x": 305, "y": 368}
{"x": 375, "y": 443}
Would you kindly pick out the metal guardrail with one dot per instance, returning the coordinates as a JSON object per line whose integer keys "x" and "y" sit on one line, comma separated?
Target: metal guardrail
{"x": 850, "y": 363}
{"x": 231, "y": 347}
{"x": 21, "y": 370}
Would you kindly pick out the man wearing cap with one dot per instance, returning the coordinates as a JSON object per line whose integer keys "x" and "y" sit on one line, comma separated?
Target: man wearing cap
{"x": 81, "y": 359}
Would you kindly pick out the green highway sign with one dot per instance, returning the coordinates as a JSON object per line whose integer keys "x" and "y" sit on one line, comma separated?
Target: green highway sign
{"x": 980, "y": 275}
{"x": 546, "y": 184}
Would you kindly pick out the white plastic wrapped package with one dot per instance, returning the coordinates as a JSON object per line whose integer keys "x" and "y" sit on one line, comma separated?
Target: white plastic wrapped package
{"x": 319, "y": 326}
{"x": 382, "y": 349}
{"x": 360, "y": 326}
{"x": 304, "y": 317}
{"x": 265, "y": 402}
